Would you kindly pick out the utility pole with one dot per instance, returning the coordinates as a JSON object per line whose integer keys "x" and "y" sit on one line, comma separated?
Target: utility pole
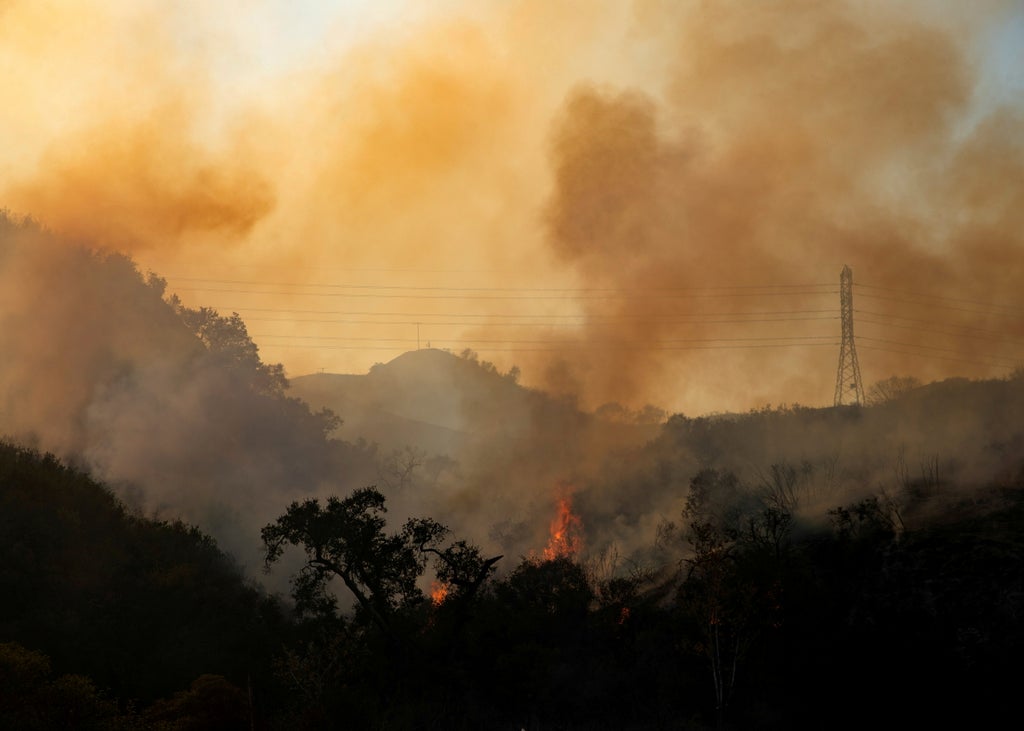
{"x": 849, "y": 389}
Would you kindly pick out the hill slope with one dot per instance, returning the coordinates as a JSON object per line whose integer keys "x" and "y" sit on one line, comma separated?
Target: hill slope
{"x": 432, "y": 400}
{"x": 458, "y": 439}
{"x": 171, "y": 407}
{"x": 142, "y": 607}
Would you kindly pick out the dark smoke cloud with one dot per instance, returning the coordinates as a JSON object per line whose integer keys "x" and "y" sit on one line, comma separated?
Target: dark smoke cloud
{"x": 794, "y": 138}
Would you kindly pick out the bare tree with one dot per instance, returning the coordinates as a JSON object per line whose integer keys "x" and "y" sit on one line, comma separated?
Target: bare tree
{"x": 890, "y": 389}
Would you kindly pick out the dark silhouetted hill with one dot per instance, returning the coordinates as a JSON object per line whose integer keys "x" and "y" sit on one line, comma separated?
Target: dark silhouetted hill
{"x": 142, "y": 607}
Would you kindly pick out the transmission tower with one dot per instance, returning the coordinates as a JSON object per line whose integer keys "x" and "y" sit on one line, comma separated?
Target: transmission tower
{"x": 849, "y": 389}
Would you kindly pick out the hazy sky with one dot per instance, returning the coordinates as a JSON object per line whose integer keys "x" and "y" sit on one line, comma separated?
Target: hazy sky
{"x": 644, "y": 201}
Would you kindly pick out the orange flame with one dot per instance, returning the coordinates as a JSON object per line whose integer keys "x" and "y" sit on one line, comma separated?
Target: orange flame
{"x": 439, "y": 592}
{"x": 566, "y": 529}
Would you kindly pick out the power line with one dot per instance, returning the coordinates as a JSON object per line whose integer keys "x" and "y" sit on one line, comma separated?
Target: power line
{"x": 652, "y": 317}
{"x": 569, "y": 290}
{"x": 582, "y": 321}
{"x": 511, "y": 318}
{"x": 926, "y": 347}
{"x": 938, "y": 357}
{"x": 937, "y": 327}
{"x": 580, "y": 347}
{"x": 968, "y": 332}
{"x": 576, "y": 325}
{"x": 945, "y": 307}
{"x": 1017, "y": 310}
{"x": 548, "y": 341}
{"x": 462, "y": 295}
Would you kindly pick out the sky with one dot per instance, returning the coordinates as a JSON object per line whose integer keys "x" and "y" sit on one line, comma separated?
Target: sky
{"x": 641, "y": 202}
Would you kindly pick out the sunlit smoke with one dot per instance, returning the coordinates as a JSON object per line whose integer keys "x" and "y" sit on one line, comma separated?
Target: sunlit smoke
{"x": 653, "y": 161}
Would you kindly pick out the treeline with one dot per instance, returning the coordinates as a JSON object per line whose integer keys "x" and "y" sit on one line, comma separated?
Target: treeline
{"x": 764, "y": 623}
{"x": 111, "y": 620}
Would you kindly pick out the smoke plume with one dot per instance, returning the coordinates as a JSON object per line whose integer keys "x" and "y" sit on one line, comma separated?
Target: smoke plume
{"x": 643, "y": 172}
{"x": 793, "y": 138}
{"x": 644, "y": 202}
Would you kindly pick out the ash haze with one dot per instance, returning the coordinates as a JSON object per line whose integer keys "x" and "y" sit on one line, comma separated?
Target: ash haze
{"x": 645, "y": 202}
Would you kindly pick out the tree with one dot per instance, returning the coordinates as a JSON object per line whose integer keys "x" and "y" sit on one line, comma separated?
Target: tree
{"x": 227, "y": 339}
{"x": 732, "y": 589}
{"x": 557, "y": 589}
{"x": 890, "y": 389}
{"x": 32, "y": 698}
{"x": 397, "y": 470}
{"x": 346, "y": 539}
{"x": 720, "y": 606}
{"x": 210, "y": 704}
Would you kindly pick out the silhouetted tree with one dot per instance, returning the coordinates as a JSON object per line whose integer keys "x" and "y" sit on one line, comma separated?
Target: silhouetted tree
{"x": 228, "y": 339}
{"x": 210, "y": 704}
{"x": 732, "y": 588}
{"x": 346, "y": 539}
{"x": 32, "y": 698}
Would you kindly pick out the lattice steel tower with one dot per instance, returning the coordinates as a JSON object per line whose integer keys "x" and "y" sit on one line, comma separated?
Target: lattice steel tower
{"x": 848, "y": 385}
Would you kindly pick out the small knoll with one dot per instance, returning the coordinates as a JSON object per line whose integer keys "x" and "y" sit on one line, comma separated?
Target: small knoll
{"x": 429, "y": 398}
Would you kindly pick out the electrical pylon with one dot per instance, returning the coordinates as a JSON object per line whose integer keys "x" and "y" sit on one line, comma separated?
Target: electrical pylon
{"x": 849, "y": 389}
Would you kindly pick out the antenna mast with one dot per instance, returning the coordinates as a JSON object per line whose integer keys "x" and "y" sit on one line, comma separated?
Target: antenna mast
{"x": 849, "y": 389}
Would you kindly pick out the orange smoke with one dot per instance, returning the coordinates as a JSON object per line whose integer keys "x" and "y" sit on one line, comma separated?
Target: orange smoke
{"x": 673, "y": 167}
{"x": 783, "y": 148}
{"x": 566, "y": 532}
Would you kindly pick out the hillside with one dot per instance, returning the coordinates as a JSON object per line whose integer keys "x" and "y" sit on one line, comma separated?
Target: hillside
{"x": 946, "y": 440}
{"x": 439, "y": 403}
{"x": 140, "y": 607}
{"x": 516, "y": 452}
{"x": 170, "y": 406}
{"x": 457, "y": 438}
{"x": 423, "y": 399}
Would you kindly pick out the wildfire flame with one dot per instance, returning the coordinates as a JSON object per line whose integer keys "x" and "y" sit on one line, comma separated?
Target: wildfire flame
{"x": 566, "y": 529}
{"x": 439, "y": 592}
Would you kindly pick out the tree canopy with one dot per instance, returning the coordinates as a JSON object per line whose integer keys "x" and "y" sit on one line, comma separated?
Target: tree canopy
{"x": 346, "y": 538}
